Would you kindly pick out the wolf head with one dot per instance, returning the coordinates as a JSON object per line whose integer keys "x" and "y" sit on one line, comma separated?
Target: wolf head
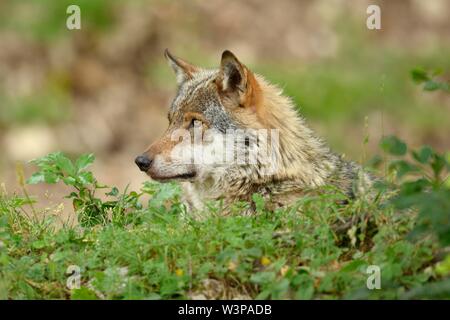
{"x": 231, "y": 134}
{"x": 213, "y": 123}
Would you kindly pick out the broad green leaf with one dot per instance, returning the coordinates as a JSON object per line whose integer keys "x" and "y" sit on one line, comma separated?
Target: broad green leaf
{"x": 161, "y": 192}
{"x": 263, "y": 277}
{"x": 71, "y": 181}
{"x": 39, "y": 244}
{"x": 36, "y": 177}
{"x": 419, "y": 75}
{"x": 82, "y": 293}
{"x": 305, "y": 292}
{"x": 431, "y": 85}
{"x": 84, "y": 161}
{"x": 437, "y": 164}
{"x": 436, "y": 290}
{"x": 65, "y": 165}
{"x": 403, "y": 167}
{"x": 353, "y": 266}
{"x": 86, "y": 177}
{"x": 423, "y": 155}
{"x": 393, "y": 145}
{"x": 443, "y": 267}
{"x": 51, "y": 178}
{"x": 259, "y": 202}
{"x": 114, "y": 192}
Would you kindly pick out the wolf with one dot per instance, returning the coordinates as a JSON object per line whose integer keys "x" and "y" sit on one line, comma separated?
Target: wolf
{"x": 270, "y": 151}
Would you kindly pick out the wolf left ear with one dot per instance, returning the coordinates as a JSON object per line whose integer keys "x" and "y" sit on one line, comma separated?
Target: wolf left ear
{"x": 183, "y": 70}
{"x": 237, "y": 82}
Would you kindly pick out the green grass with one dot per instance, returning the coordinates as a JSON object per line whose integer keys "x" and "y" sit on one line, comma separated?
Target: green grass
{"x": 127, "y": 249}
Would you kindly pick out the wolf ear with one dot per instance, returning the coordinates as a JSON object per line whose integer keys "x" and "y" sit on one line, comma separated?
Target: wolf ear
{"x": 232, "y": 73}
{"x": 183, "y": 70}
{"x": 237, "y": 82}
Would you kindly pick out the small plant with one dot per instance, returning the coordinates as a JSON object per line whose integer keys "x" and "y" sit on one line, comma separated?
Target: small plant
{"x": 428, "y": 79}
{"x": 426, "y": 187}
{"x": 91, "y": 210}
{"x": 429, "y": 192}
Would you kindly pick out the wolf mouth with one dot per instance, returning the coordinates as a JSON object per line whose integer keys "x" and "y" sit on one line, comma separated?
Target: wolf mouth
{"x": 184, "y": 176}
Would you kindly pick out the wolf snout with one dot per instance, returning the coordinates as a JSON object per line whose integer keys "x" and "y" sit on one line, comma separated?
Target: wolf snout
{"x": 143, "y": 162}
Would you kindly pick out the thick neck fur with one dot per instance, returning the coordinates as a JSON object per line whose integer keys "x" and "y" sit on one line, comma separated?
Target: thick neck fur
{"x": 302, "y": 156}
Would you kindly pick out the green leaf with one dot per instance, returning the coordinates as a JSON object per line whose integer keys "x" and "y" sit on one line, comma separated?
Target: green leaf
{"x": 353, "y": 266}
{"x": 423, "y": 155}
{"x": 114, "y": 192}
{"x": 436, "y": 290}
{"x": 51, "y": 178}
{"x": 77, "y": 203}
{"x": 280, "y": 288}
{"x": 414, "y": 187}
{"x": 443, "y": 267}
{"x": 431, "y": 85}
{"x": 419, "y": 75}
{"x": 438, "y": 163}
{"x": 403, "y": 167}
{"x": 259, "y": 202}
{"x": 161, "y": 193}
{"x": 305, "y": 286}
{"x": 393, "y": 145}
{"x": 82, "y": 293}
{"x": 84, "y": 161}
{"x": 86, "y": 177}
{"x": 374, "y": 162}
{"x": 437, "y": 72}
{"x": 36, "y": 178}
{"x": 39, "y": 244}
{"x": 70, "y": 181}
{"x": 263, "y": 277}
{"x": 65, "y": 165}
{"x": 43, "y": 176}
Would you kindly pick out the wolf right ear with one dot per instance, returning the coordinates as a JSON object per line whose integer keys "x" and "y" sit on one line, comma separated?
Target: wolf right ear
{"x": 183, "y": 70}
{"x": 238, "y": 83}
{"x": 232, "y": 73}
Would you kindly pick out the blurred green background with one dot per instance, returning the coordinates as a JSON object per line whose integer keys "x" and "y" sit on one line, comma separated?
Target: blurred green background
{"x": 105, "y": 88}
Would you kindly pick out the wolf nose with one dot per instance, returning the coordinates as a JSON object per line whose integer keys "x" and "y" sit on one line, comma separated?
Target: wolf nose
{"x": 143, "y": 162}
